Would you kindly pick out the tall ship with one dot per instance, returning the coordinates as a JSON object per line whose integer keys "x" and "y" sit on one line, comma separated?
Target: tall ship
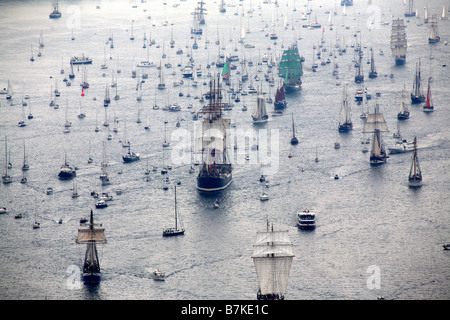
{"x": 272, "y": 257}
{"x": 345, "y": 121}
{"x": 376, "y": 124}
{"x": 290, "y": 69}
{"x": 280, "y": 98}
{"x": 398, "y": 41}
{"x": 215, "y": 171}
{"x": 91, "y": 235}
{"x": 416, "y": 95}
{"x": 434, "y": 37}
{"x": 415, "y": 174}
{"x": 56, "y": 13}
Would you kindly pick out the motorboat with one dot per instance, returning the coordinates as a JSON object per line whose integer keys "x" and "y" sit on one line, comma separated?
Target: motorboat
{"x": 306, "y": 220}
{"x": 158, "y": 275}
{"x": 401, "y": 146}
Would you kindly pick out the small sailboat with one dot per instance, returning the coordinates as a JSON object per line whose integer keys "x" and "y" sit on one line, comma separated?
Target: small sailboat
{"x": 428, "y": 107}
{"x": 415, "y": 174}
{"x": 178, "y": 229}
{"x": 294, "y": 139}
{"x": 91, "y": 235}
{"x": 6, "y": 177}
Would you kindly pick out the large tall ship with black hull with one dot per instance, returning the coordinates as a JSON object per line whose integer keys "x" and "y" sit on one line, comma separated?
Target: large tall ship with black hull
{"x": 290, "y": 69}
{"x": 215, "y": 172}
{"x": 398, "y": 41}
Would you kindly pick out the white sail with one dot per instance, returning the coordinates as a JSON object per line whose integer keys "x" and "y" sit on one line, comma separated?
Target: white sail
{"x": 91, "y": 234}
{"x": 211, "y": 139}
{"x": 273, "y": 257}
{"x": 345, "y": 110}
{"x": 260, "y": 111}
{"x": 375, "y": 122}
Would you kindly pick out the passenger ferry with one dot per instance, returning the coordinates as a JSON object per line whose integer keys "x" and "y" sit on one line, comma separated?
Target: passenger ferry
{"x": 306, "y": 220}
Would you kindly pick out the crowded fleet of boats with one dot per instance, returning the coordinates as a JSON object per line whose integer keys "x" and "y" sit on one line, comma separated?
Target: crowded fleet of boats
{"x": 273, "y": 252}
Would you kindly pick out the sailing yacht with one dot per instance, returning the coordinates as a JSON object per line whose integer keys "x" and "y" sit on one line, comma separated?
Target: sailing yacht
{"x": 428, "y": 107}
{"x": 91, "y": 235}
{"x": 294, "y": 139}
{"x": 272, "y": 257}
{"x": 415, "y": 174}
{"x": 178, "y": 229}
{"x": 376, "y": 124}
{"x": 345, "y": 122}
{"x": 260, "y": 113}
{"x": 6, "y": 177}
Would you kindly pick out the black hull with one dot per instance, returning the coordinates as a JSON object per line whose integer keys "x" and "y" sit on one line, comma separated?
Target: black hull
{"x": 400, "y": 61}
{"x": 211, "y": 184}
{"x": 345, "y": 127}
{"x": 215, "y": 178}
{"x": 373, "y": 75}
{"x": 172, "y": 232}
{"x": 434, "y": 40}
{"x": 63, "y": 176}
{"x": 417, "y": 99}
{"x": 359, "y": 79}
{"x": 279, "y": 105}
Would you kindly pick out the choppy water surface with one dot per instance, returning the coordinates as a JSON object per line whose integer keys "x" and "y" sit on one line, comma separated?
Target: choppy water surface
{"x": 369, "y": 217}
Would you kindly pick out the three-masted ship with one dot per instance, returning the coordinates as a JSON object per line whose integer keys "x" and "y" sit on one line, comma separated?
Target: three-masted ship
{"x": 272, "y": 257}
{"x": 259, "y": 114}
{"x": 215, "y": 172}
{"x": 92, "y": 235}
{"x": 290, "y": 69}
{"x": 376, "y": 124}
{"x": 398, "y": 41}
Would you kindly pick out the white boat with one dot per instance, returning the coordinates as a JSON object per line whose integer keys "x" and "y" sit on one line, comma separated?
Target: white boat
{"x": 272, "y": 257}
{"x": 158, "y": 275}
{"x": 415, "y": 174}
{"x": 80, "y": 60}
{"x": 3, "y": 210}
{"x": 401, "y": 146}
{"x": 264, "y": 195}
{"x": 306, "y": 220}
